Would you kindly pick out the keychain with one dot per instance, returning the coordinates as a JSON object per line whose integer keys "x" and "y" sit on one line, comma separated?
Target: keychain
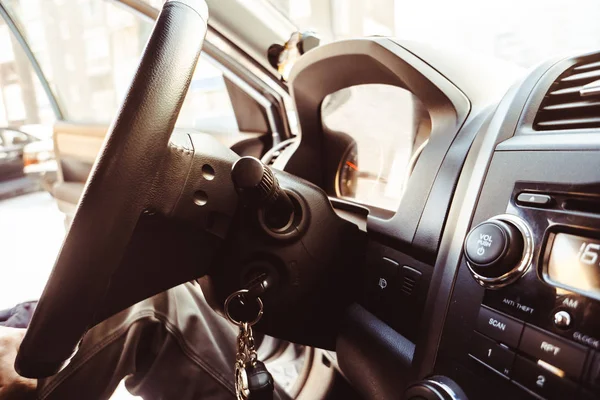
{"x": 252, "y": 379}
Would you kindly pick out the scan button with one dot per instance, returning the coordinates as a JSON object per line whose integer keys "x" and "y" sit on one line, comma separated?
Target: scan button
{"x": 499, "y": 327}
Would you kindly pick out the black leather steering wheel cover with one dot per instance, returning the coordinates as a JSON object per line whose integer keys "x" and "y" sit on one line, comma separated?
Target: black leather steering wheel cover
{"x": 117, "y": 192}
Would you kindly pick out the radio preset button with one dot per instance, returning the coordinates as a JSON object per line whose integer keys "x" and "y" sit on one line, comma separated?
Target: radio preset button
{"x": 542, "y": 381}
{"x": 500, "y": 327}
{"x": 491, "y": 353}
{"x": 556, "y": 351}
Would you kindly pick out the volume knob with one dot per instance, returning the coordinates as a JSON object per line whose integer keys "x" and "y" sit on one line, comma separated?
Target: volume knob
{"x": 499, "y": 250}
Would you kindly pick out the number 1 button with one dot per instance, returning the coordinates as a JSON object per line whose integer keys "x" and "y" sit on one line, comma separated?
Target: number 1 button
{"x": 491, "y": 353}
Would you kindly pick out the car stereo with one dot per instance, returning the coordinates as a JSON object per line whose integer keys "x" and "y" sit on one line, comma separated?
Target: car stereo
{"x": 539, "y": 322}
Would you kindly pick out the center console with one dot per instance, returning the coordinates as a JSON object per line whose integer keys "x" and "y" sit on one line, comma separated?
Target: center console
{"x": 524, "y": 318}
{"x": 514, "y": 306}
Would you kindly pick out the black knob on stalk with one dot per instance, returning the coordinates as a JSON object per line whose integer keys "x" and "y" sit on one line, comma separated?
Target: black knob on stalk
{"x": 258, "y": 187}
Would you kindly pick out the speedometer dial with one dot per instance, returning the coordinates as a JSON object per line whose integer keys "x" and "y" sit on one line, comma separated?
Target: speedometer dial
{"x": 347, "y": 174}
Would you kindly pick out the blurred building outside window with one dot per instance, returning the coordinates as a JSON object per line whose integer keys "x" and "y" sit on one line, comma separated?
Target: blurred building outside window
{"x": 522, "y": 32}
{"x": 89, "y": 51}
{"x": 23, "y": 102}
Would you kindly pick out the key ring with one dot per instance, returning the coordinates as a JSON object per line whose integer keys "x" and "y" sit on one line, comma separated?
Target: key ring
{"x": 238, "y": 294}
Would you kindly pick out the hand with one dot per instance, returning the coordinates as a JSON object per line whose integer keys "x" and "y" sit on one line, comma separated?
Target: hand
{"x": 12, "y": 385}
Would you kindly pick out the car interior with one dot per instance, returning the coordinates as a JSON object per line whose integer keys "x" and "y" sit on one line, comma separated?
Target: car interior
{"x": 452, "y": 253}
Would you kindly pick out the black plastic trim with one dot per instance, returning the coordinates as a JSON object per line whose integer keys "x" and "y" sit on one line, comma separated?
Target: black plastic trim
{"x": 376, "y": 358}
{"x": 432, "y": 222}
{"x": 384, "y": 61}
{"x": 501, "y": 127}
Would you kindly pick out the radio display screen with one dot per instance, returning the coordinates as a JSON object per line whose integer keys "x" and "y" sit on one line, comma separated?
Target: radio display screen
{"x": 574, "y": 262}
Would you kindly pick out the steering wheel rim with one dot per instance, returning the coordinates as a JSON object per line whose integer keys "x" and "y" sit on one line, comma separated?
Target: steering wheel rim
{"x": 121, "y": 186}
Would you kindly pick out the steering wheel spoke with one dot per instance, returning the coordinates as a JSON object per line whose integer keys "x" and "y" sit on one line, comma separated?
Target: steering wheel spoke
{"x": 194, "y": 184}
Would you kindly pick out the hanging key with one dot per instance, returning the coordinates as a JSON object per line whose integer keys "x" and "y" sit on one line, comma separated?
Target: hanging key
{"x": 241, "y": 359}
{"x": 260, "y": 381}
{"x": 252, "y": 379}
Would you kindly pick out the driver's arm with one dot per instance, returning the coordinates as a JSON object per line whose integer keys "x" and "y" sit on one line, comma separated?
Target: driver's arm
{"x": 171, "y": 346}
{"x": 13, "y": 386}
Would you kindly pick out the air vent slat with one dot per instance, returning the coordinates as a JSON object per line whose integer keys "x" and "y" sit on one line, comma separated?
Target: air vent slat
{"x": 568, "y": 106}
{"x": 584, "y": 67}
{"x": 571, "y": 90}
{"x": 571, "y": 123}
{"x": 589, "y": 75}
{"x": 564, "y": 107}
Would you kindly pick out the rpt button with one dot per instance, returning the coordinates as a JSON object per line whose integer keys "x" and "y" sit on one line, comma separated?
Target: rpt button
{"x": 567, "y": 356}
{"x": 499, "y": 327}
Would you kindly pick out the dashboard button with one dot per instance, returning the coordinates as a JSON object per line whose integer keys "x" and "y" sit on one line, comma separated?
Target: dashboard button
{"x": 556, "y": 351}
{"x": 382, "y": 286}
{"x": 500, "y": 327}
{"x": 542, "y": 381}
{"x": 383, "y": 276}
{"x": 562, "y": 320}
{"x": 491, "y": 353}
{"x": 498, "y": 250}
{"x": 387, "y": 279}
{"x": 534, "y": 199}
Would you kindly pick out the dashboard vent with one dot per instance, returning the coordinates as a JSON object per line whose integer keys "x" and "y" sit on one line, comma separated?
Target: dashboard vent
{"x": 573, "y": 101}
{"x": 278, "y": 151}
{"x": 274, "y": 157}
{"x": 408, "y": 284}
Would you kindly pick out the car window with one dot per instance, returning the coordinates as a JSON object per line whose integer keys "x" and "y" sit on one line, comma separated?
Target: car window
{"x": 207, "y": 105}
{"x": 23, "y": 100}
{"x": 89, "y": 51}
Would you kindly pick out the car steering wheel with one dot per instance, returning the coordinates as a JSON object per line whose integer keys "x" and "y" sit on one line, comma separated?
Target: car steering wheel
{"x": 158, "y": 211}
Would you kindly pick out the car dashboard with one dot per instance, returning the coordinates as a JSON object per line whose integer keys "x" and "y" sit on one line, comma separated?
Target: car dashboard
{"x": 481, "y": 276}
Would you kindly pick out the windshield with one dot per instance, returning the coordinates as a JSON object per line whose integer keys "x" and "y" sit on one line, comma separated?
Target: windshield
{"x": 524, "y": 32}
